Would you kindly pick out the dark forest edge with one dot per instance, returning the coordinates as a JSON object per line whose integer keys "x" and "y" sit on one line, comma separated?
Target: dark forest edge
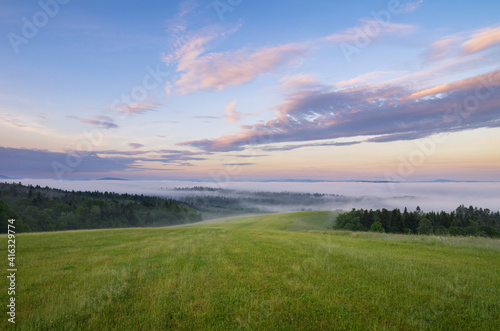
{"x": 464, "y": 221}
{"x": 45, "y": 209}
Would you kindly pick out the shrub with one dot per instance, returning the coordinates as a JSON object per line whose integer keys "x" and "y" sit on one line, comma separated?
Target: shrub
{"x": 377, "y": 227}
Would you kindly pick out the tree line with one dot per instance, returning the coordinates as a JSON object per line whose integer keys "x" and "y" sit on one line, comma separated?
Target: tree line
{"x": 463, "y": 221}
{"x": 45, "y": 209}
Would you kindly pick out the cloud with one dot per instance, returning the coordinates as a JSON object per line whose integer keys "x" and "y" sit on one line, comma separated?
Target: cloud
{"x": 238, "y": 164}
{"x": 459, "y": 86}
{"x": 351, "y": 35}
{"x": 291, "y": 147}
{"x": 134, "y": 158}
{"x": 162, "y": 155}
{"x": 135, "y": 107}
{"x": 249, "y": 155}
{"x": 222, "y": 144}
{"x": 26, "y": 124}
{"x": 410, "y": 6}
{"x": 33, "y": 163}
{"x": 18, "y": 162}
{"x": 179, "y": 23}
{"x": 206, "y": 117}
{"x": 179, "y": 155}
{"x": 189, "y": 49}
{"x": 135, "y": 145}
{"x": 230, "y": 69}
{"x": 168, "y": 89}
{"x": 386, "y": 112}
{"x": 365, "y": 78}
{"x": 482, "y": 40}
{"x": 232, "y": 116}
{"x": 299, "y": 81}
{"x": 9, "y": 120}
{"x": 200, "y": 69}
{"x": 442, "y": 48}
{"x": 125, "y": 153}
{"x": 103, "y": 122}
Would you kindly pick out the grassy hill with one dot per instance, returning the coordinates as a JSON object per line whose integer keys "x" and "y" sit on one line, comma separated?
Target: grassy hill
{"x": 311, "y": 220}
{"x": 280, "y": 271}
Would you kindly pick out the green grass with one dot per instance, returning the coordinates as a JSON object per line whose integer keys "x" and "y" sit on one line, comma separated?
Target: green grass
{"x": 281, "y": 271}
{"x": 303, "y": 221}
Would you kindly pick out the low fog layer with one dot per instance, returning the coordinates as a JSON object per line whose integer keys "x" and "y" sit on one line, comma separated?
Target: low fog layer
{"x": 339, "y": 195}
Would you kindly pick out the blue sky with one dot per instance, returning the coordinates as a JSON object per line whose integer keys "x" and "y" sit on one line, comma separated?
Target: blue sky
{"x": 249, "y": 90}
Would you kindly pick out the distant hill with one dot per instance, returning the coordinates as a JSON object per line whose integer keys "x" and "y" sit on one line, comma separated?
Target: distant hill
{"x": 455, "y": 181}
{"x": 111, "y": 178}
{"x": 5, "y": 177}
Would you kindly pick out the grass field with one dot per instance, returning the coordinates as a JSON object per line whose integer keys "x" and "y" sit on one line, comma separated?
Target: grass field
{"x": 280, "y": 271}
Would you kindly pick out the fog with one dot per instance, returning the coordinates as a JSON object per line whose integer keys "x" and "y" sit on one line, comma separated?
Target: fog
{"x": 429, "y": 196}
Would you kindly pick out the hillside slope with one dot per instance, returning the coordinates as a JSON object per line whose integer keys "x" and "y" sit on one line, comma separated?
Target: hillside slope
{"x": 298, "y": 221}
{"x": 249, "y": 273}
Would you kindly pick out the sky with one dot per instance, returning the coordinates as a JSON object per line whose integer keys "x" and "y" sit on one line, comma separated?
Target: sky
{"x": 231, "y": 90}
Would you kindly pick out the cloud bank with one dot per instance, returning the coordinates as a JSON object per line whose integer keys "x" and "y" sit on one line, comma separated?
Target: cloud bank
{"x": 482, "y": 40}
{"x": 388, "y": 112}
{"x": 18, "y": 162}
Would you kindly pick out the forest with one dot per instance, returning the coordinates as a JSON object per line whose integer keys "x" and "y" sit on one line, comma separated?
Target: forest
{"x": 464, "y": 221}
{"x": 38, "y": 208}
{"x": 46, "y": 209}
{"x": 225, "y": 201}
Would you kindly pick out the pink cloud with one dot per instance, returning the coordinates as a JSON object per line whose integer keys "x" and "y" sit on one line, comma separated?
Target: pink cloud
{"x": 385, "y": 112}
{"x": 200, "y": 69}
{"x": 135, "y": 145}
{"x": 299, "y": 81}
{"x": 189, "y": 50}
{"x": 365, "y": 78}
{"x": 224, "y": 143}
{"x": 103, "y": 122}
{"x": 482, "y": 40}
{"x": 370, "y": 28}
{"x": 168, "y": 90}
{"x": 459, "y": 86}
{"x": 232, "y": 115}
{"x": 443, "y": 47}
{"x": 180, "y": 22}
{"x": 222, "y": 70}
{"x": 135, "y": 107}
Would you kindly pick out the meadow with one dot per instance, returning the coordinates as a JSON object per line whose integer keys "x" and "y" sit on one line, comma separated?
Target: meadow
{"x": 277, "y": 271}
